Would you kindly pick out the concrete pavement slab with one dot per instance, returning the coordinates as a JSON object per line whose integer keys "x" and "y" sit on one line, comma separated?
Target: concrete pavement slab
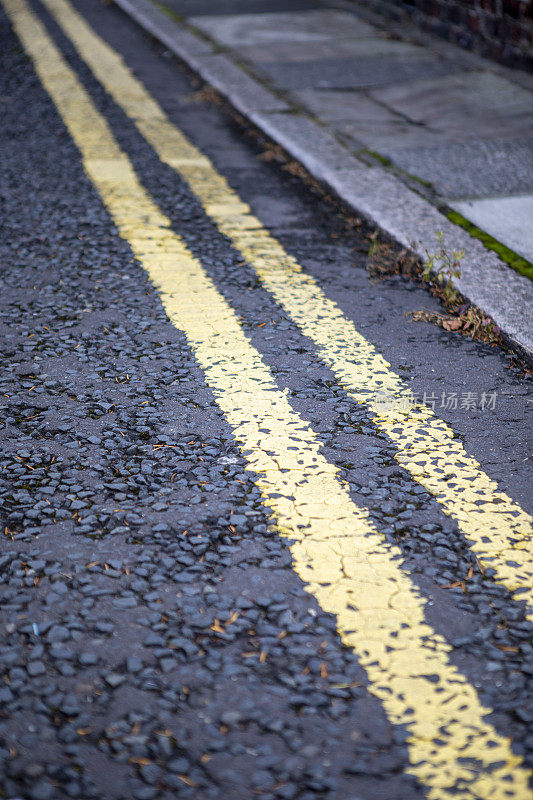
{"x": 345, "y": 106}
{"x": 354, "y": 73}
{"x": 305, "y": 26}
{"x": 509, "y": 218}
{"x": 470, "y": 169}
{"x": 365, "y": 123}
{"x": 469, "y": 103}
{"x": 389, "y": 134}
{"x": 342, "y": 48}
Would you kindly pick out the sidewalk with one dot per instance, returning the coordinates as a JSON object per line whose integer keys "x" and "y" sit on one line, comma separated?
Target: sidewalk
{"x": 405, "y": 132}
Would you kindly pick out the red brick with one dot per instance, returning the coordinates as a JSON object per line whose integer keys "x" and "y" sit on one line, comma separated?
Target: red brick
{"x": 498, "y": 29}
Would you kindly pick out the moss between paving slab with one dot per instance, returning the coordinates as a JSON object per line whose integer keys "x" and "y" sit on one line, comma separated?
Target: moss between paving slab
{"x": 518, "y": 263}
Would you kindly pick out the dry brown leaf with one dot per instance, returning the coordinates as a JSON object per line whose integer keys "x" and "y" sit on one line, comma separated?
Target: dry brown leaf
{"x": 452, "y": 324}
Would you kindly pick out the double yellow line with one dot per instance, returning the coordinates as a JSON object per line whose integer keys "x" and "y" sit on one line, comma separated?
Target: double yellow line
{"x": 336, "y": 549}
{"x": 497, "y": 529}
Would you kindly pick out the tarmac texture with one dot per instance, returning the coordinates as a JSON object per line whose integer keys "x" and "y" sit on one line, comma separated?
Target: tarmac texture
{"x": 263, "y": 535}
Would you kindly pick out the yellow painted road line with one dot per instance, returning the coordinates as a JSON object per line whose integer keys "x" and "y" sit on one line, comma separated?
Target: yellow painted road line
{"x": 352, "y": 572}
{"x": 497, "y": 529}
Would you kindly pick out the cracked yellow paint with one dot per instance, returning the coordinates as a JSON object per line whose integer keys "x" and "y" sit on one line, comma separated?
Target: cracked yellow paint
{"x": 497, "y": 529}
{"x": 453, "y": 750}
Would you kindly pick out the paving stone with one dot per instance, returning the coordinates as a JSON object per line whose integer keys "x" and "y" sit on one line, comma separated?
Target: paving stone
{"x": 354, "y": 73}
{"x": 287, "y": 52}
{"x": 476, "y": 169}
{"x": 306, "y": 26}
{"x": 464, "y": 104}
{"x": 507, "y": 218}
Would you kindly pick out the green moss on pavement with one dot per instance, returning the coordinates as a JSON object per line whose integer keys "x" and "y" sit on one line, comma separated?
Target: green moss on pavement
{"x": 518, "y": 263}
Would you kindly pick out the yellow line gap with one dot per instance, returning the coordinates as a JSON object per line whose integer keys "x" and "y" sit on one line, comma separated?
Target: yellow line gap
{"x": 349, "y": 568}
{"x": 497, "y": 529}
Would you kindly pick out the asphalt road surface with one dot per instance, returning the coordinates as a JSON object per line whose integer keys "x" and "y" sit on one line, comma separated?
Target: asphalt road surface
{"x": 263, "y": 535}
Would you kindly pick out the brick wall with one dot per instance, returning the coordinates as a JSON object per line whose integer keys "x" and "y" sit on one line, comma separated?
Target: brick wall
{"x": 498, "y": 29}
